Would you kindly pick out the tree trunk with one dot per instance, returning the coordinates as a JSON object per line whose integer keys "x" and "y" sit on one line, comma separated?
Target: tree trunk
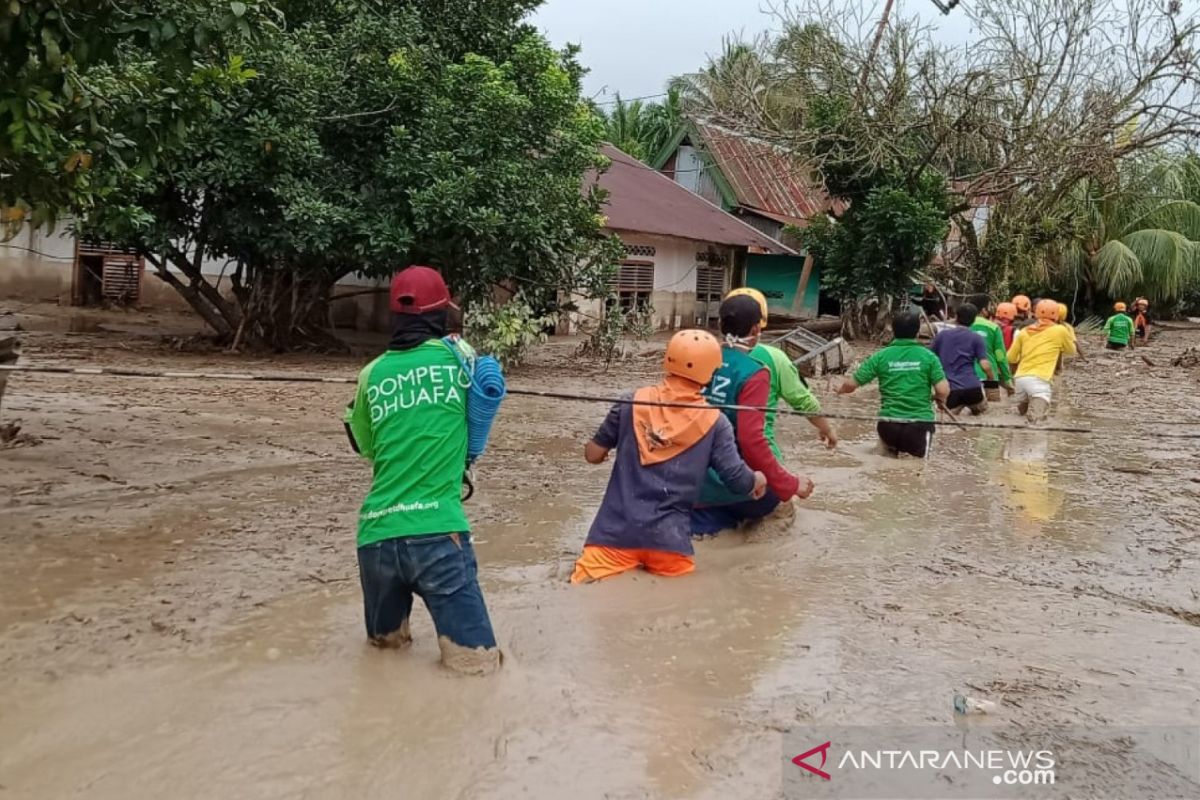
{"x": 284, "y": 309}
{"x": 275, "y": 308}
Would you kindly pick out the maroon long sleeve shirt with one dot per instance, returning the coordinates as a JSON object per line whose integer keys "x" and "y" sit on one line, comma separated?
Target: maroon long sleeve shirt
{"x": 752, "y": 439}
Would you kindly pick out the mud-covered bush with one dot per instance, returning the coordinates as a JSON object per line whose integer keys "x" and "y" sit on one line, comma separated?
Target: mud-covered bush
{"x": 605, "y": 340}
{"x": 505, "y": 330}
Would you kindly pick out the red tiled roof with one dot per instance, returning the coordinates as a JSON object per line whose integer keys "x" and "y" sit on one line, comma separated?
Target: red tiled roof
{"x": 643, "y": 200}
{"x": 763, "y": 177}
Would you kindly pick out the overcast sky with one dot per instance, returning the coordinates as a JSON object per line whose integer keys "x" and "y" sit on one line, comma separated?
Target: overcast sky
{"x": 635, "y": 46}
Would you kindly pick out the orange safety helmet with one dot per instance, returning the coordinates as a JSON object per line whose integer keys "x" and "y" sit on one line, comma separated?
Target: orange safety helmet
{"x": 1022, "y": 302}
{"x": 693, "y": 354}
{"x": 1047, "y": 310}
{"x": 1062, "y": 312}
{"x": 1006, "y": 311}
{"x": 1119, "y": 306}
{"x": 758, "y": 297}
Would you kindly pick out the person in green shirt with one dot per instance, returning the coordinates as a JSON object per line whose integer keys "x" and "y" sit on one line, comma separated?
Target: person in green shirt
{"x": 993, "y": 339}
{"x": 1119, "y": 328}
{"x": 786, "y": 382}
{"x": 409, "y": 419}
{"x": 908, "y": 373}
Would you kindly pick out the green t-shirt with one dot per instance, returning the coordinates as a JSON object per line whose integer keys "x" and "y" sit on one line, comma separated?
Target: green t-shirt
{"x": 787, "y": 384}
{"x": 1119, "y": 328}
{"x": 993, "y": 340}
{"x": 906, "y": 371}
{"x": 410, "y": 420}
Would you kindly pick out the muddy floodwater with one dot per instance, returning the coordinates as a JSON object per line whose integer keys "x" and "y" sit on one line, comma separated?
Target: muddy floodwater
{"x": 180, "y": 615}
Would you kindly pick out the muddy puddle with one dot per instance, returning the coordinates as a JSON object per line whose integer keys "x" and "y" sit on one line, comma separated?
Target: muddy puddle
{"x": 180, "y": 617}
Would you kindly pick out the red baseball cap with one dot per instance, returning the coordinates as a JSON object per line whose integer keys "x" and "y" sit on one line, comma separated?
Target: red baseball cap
{"x": 419, "y": 290}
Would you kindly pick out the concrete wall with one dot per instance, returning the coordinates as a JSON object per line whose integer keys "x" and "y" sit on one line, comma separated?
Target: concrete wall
{"x": 674, "y": 295}
{"x": 38, "y": 265}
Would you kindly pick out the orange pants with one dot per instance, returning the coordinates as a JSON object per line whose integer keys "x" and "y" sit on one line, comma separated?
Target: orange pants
{"x": 598, "y": 563}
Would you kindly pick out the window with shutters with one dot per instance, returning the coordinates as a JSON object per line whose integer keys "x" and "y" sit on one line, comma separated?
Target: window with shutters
{"x": 711, "y": 277}
{"x": 633, "y": 283}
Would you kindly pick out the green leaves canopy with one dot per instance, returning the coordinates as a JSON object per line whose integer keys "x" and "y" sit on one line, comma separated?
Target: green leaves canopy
{"x": 371, "y": 135}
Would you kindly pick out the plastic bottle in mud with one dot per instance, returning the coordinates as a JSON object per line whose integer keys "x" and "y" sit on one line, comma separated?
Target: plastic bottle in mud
{"x": 972, "y": 705}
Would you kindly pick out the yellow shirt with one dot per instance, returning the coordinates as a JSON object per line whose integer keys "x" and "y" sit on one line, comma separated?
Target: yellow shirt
{"x": 1036, "y": 354}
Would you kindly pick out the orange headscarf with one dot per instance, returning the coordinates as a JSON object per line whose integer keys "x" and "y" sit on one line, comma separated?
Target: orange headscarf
{"x": 663, "y": 433}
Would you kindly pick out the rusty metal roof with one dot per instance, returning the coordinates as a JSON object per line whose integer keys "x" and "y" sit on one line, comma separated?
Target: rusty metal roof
{"x": 643, "y": 200}
{"x": 762, "y": 177}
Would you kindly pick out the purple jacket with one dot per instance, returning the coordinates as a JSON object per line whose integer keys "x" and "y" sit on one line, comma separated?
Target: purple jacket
{"x": 649, "y": 507}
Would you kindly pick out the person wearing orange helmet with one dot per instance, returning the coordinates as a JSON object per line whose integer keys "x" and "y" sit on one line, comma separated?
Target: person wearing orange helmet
{"x": 786, "y": 382}
{"x": 1034, "y": 356}
{"x": 1119, "y": 328}
{"x": 742, "y": 381}
{"x": 1024, "y": 307}
{"x": 1141, "y": 318}
{"x": 1006, "y": 314}
{"x": 1064, "y": 312}
{"x": 664, "y": 453}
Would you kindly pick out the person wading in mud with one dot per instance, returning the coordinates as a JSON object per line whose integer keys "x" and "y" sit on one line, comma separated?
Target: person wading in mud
{"x": 1064, "y": 312}
{"x": 1006, "y": 313}
{"x": 740, "y": 380}
{"x": 1024, "y": 316}
{"x": 1119, "y": 328}
{"x": 1034, "y": 356}
{"x": 997, "y": 348}
{"x": 663, "y": 455}
{"x": 908, "y": 373}
{"x": 960, "y": 350}
{"x": 786, "y": 383}
{"x": 1141, "y": 319}
{"x": 409, "y": 419}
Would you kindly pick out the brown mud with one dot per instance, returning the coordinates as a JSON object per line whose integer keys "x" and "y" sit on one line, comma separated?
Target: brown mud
{"x": 180, "y": 616}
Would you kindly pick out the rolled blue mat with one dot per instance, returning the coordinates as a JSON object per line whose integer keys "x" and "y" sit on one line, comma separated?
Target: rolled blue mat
{"x": 484, "y": 396}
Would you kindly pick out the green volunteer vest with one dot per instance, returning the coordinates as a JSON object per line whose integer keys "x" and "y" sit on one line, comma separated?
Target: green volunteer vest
{"x": 417, "y": 401}
{"x": 726, "y": 385}
{"x": 761, "y": 357}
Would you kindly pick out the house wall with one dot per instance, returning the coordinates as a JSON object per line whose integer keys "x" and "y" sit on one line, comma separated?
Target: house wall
{"x": 687, "y": 168}
{"x": 674, "y": 295}
{"x": 778, "y": 277}
{"x": 39, "y": 265}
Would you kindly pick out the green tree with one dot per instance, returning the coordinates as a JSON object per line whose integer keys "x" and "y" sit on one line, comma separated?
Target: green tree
{"x": 1138, "y": 233}
{"x": 372, "y": 135}
{"x": 76, "y": 109}
{"x": 741, "y": 82}
{"x": 641, "y": 128}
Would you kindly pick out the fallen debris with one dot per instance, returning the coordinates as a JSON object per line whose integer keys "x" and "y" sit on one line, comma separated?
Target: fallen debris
{"x": 1188, "y": 358}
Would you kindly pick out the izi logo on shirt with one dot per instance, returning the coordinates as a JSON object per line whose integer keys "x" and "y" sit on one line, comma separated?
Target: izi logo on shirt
{"x": 419, "y": 386}
{"x": 719, "y": 389}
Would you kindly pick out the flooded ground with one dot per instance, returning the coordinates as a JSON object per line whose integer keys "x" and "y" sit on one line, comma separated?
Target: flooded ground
{"x": 180, "y": 616}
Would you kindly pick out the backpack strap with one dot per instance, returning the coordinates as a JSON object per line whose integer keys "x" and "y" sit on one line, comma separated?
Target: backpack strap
{"x": 465, "y": 361}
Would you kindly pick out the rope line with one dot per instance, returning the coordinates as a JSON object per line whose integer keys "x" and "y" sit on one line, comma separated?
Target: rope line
{"x": 585, "y": 398}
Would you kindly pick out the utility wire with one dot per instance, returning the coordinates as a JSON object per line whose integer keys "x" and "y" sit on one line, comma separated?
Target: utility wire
{"x": 583, "y": 398}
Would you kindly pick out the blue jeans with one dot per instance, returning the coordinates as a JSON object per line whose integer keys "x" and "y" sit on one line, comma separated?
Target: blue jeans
{"x": 714, "y": 519}
{"x": 441, "y": 568}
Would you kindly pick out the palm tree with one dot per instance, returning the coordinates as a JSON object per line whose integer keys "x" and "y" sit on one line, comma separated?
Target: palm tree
{"x": 1137, "y": 234}
{"x": 737, "y": 84}
{"x": 643, "y": 129}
